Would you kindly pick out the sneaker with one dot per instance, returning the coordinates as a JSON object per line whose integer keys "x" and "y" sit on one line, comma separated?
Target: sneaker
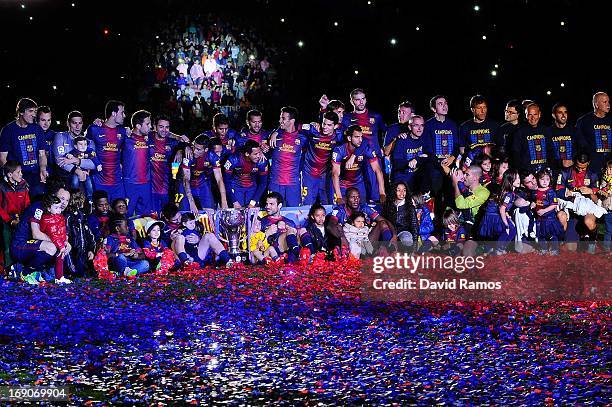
{"x": 15, "y": 272}
{"x": 31, "y": 278}
{"x": 130, "y": 272}
{"x": 591, "y": 248}
{"x": 63, "y": 280}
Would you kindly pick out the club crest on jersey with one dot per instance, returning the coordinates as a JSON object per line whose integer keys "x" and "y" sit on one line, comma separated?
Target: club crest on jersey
{"x": 61, "y": 150}
{"x": 587, "y": 182}
{"x": 297, "y": 141}
{"x": 38, "y": 214}
{"x": 185, "y": 162}
{"x": 372, "y": 120}
{"x": 228, "y": 165}
{"x": 360, "y": 158}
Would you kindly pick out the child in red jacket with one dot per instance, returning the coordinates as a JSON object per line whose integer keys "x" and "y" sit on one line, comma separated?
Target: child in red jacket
{"x": 53, "y": 224}
{"x": 14, "y": 198}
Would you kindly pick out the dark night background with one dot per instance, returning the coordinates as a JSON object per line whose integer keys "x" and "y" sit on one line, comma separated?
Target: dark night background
{"x": 65, "y": 46}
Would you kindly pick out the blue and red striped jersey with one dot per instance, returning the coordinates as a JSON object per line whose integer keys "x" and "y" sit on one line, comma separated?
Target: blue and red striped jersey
{"x": 108, "y": 143}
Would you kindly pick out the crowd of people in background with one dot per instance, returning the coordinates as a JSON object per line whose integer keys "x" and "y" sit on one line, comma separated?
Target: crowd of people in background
{"x": 427, "y": 184}
{"x": 210, "y": 65}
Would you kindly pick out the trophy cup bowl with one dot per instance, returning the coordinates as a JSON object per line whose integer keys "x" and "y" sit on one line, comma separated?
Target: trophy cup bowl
{"x": 232, "y": 221}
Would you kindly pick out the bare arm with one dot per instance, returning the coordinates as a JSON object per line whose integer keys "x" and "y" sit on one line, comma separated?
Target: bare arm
{"x": 42, "y": 163}
{"x": 188, "y": 194}
{"x": 379, "y": 177}
{"x": 336, "y": 181}
{"x": 37, "y": 234}
{"x": 3, "y": 157}
{"x": 221, "y": 184}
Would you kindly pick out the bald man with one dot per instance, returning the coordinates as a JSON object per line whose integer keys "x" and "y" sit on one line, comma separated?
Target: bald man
{"x": 594, "y": 132}
{"x": 530, "y": 148}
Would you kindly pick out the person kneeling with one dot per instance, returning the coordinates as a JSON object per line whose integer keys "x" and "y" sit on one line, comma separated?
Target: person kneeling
{"x": 124, "y": 255}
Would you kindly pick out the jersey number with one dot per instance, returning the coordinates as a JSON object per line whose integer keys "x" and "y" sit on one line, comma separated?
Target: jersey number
{"x": 178, "y": 198}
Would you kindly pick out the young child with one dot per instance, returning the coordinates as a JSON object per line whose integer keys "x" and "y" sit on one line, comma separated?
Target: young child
{"x": 124, "y": 255}
{"x": 80, "y": 237}
{"x": 500, "y": 166}
{"x": 53, "y": 224}
{"x": 190, "y": 228}
{"x": 259, "y": 245}
{"x": 548, "y": 227}
{"x": 98, "y": 219}
{"x": 356, "y": 232}
{"x": 314, "y": 237}
{"x": 160, "y": 257}
{"x": 14, "y": 198}
{"x": 424, "y": 222}
{"x": 205, "y": 249}
{"x": 496, "y": 224}
{"x": 120, "y": 207}
{"x": 605, "y": 194}
{"x": 82, "y": 151}
{"x": 485, "y": 163}
{"x": 454, "y": 234}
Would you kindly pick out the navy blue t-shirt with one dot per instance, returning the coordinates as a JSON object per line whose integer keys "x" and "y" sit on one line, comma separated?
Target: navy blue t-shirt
{"x": 475, "y": 136}
{"x": 22, "y": 144}
{"x": 531, "y": 149}
{"x": 594, "y": 136}
{"x": 441, "y": 138}
{"x": 562, "y": 143}
{"x": 32, "y": 213}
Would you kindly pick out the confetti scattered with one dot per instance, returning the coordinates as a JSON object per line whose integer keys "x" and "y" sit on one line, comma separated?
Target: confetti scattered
{"x": 296, "y": 334}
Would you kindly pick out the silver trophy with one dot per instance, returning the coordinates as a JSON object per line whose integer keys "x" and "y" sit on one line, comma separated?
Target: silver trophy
{"x": 232, "y": 222}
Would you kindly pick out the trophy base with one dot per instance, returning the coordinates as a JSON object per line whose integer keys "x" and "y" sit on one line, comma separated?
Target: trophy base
{"x": 239, "y": 257}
